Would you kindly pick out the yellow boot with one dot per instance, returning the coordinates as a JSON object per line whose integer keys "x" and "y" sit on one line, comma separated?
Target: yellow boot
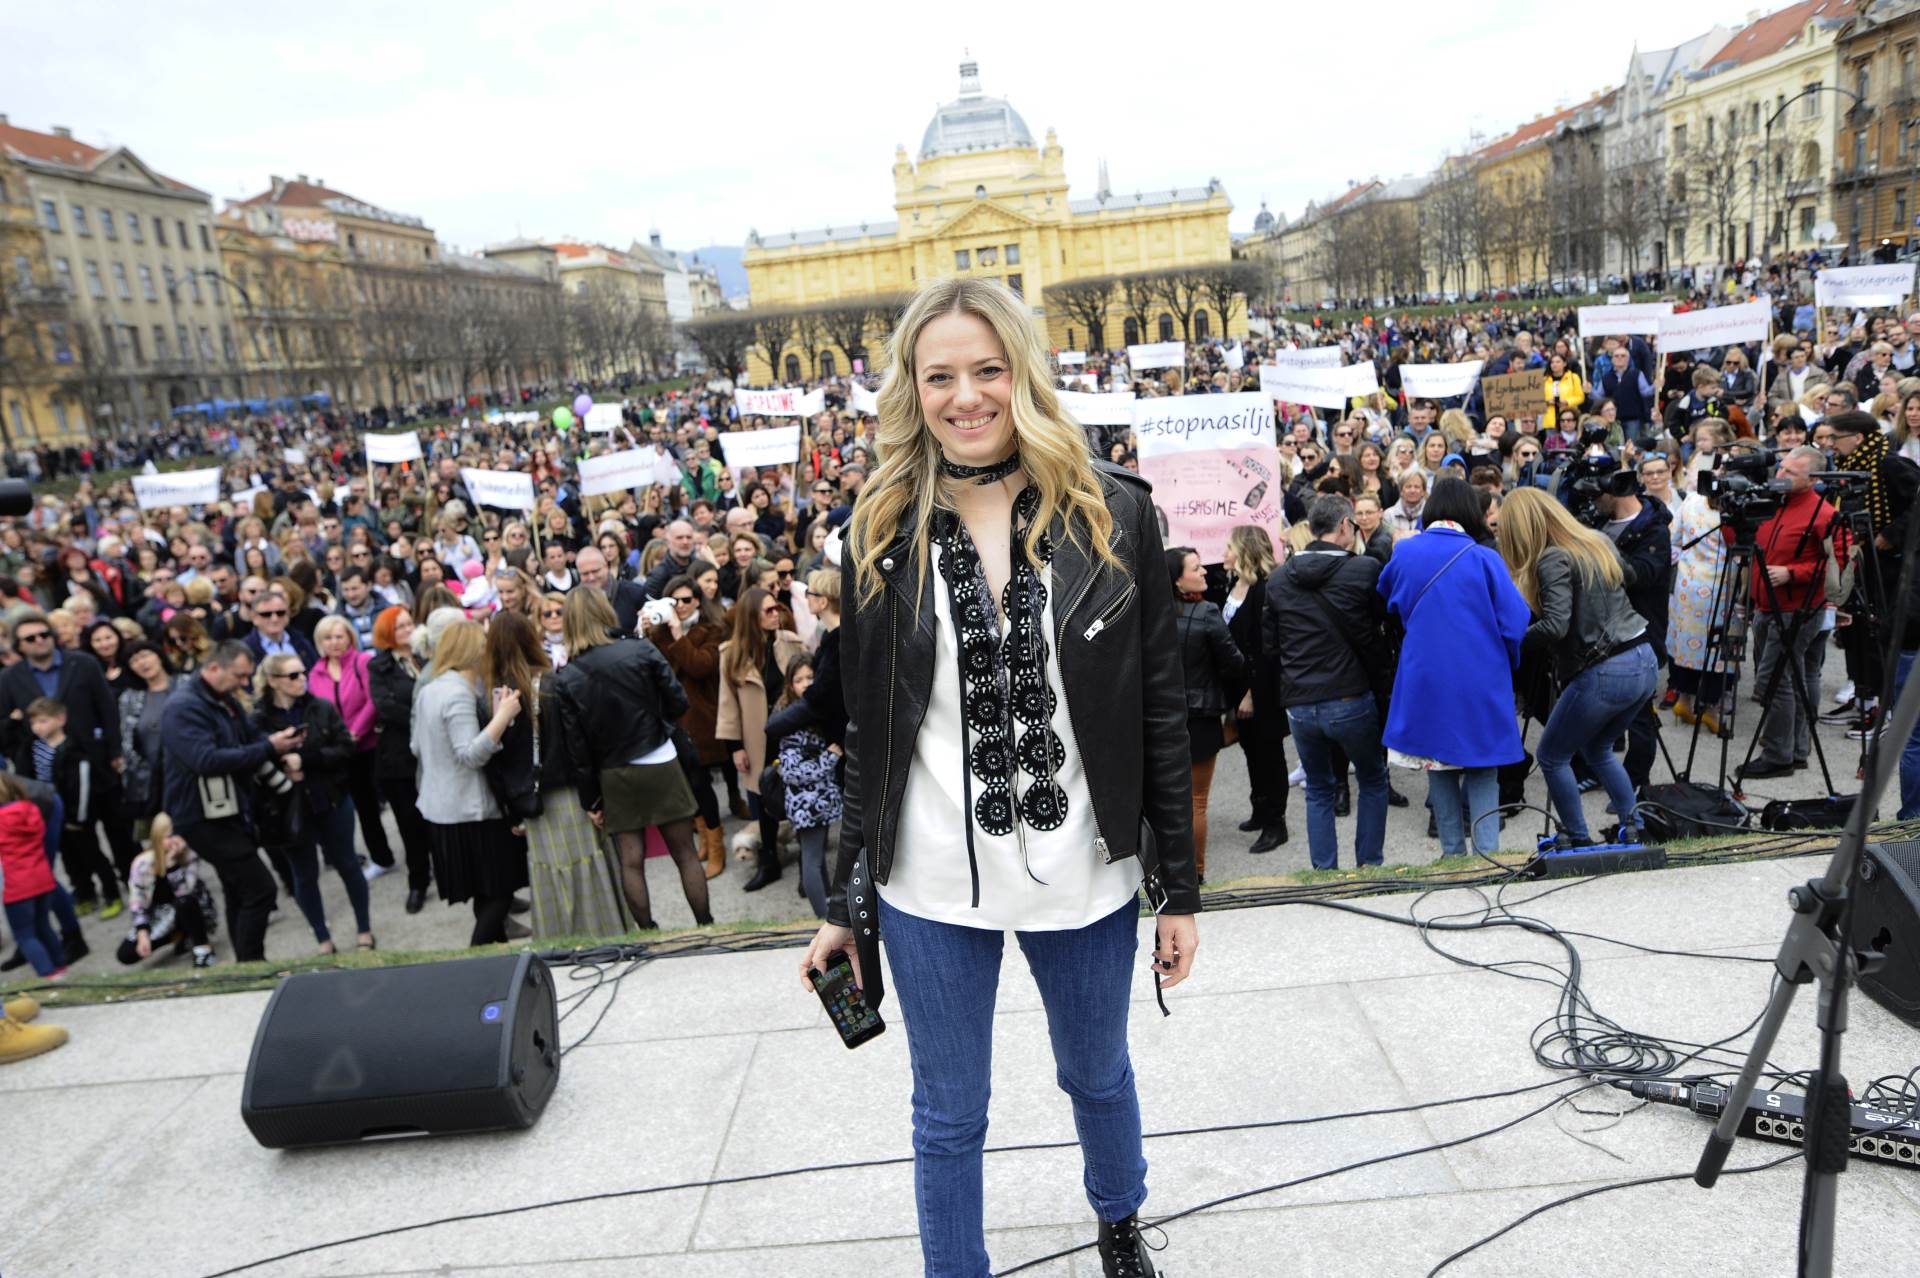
{"x": 713, "y": 848}
{"x": 22, "y": 1008}
{"x": 1683, "y": 709}
{"x": 18, "y": 1042}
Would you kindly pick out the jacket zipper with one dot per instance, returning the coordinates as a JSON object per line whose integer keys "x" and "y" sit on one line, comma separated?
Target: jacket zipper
{"x": 886, "y": 779}
{"x": 1112, "y": 614}
{"x": 1073, "y": 733}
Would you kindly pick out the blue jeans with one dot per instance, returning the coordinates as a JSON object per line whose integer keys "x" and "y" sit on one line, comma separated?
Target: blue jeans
{"x": 1455, "y": 794}
{"x": 32, "y": 924}
{"x": 1909, "y": 753}
{"x": 330, "y": 835}
{"x": 1591, "y": 713}
{"x": 946, "y": 977}
{"x": 1353, "y": 724}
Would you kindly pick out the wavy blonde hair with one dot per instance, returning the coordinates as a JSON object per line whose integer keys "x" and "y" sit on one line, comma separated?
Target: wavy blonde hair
{"x": 906, "y": 482}
{"x": 1530, "y": 522}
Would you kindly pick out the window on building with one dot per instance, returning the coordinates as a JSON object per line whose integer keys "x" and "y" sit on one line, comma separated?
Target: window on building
{"x": 159, "y": 230}
{"x": 826, "y": 364}
{"x": 226, "y": 343}
{"x": 1166, "y": 328}
{"x": 1709, "y": 130}
{"x": 1131, "y": 331}
{"x": 1733, "y": 124}
{"x": 1015, "y": 283}
{"x": 133, "y": 343}
{"x": 134, "y": 232}
{"x": 193, "y": 286}
{"x": 120, "y": 288}
{"x": 1900, "y": 208}
{"x": 1906, "y": 70}
{"x": 1070, "y": 331}
{"x": 1096, "y": 339}
{"x": 180, "y": 334}
{"x": 1200, "y": 326}
{"x": 50, "y": 215}
{"x": 979, "y": 192}
{"x": 962, "y": 260}
{"x": 1680, "y": 245}
{"x": 1861, "y": 80}
{"x": 62, "y": 349}
{"x": 985, "y": 257}
{"x": 108, "y": 226}
{"x": 1806, "y": 222}
{"x": 1779, "y": 103}
{"x": 181, "y": 227}
{"x": 1753, "y": 117}
{"x": 1679, "y": 139}
{"x": 1680, "y": 187}
{"x": 1810, "y": 105}
{"x": 171, "y": 280}
{"x": 1859, "y": 148}
{"x": 96, "y": 284}
{"x": 22, "y": 271}
{"x": 793, "y": 368}
{"x": 160, "y": 341}
{"x": 1012, "y": 252}
{"x": 1900, "y": 140}
{"x": 1709, "y": 238}
{"x": 81, "y": 225}
{"x": 206, "y": 238}
{"x": 146, "y": 284}
{"x": 63, "y": 274}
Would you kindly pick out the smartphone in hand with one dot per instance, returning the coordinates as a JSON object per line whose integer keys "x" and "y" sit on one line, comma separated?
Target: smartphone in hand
{"x": 845, "y": 1005}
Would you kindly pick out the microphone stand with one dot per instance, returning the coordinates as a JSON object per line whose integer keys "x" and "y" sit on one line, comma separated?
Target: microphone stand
{"x": 1819, "y": 949}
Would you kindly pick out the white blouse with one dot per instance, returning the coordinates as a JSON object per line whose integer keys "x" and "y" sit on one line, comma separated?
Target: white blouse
{"x": 930, "y": 877}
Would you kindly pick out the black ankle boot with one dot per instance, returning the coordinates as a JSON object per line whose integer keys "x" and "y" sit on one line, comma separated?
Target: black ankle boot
{"x": 1123, "y": 1252}
{"x": 1271, "y": 837}
{"x": 1395, "y": 799}
{"x": 1252, "y": 823}
{"x": 1343, "y": 802}
{"x": 767, "y": 870}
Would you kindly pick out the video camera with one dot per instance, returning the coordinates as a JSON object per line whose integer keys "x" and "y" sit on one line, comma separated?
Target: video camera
{"x": 1848, "y": 488}
{"x": 1586, "y": 476}
{"x": 1744, "y": 490}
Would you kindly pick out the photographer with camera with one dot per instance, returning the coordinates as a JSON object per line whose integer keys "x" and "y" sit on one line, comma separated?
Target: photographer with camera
{"x": 1859, "y": 445}
{"x": 1789, "y": 587}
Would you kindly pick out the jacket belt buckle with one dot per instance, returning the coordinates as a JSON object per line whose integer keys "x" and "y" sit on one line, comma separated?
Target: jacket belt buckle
{"x": 1156, "y": 892}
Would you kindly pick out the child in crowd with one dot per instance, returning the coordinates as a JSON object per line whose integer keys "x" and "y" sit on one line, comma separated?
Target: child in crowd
{"x": 168, "y": 899}
{"x": 28, "y": 895}
{"x": 65, "y": 765}
{"x": 807, "y": 771}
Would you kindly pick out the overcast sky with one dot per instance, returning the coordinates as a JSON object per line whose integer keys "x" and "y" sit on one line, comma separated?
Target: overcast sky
{"x": 600, "y": 120}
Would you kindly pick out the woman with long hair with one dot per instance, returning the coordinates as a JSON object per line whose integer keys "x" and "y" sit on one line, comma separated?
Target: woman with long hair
{"x": 1370, "y": 477}
{"x": 618, "y": 702}
{"x": 752, "y": 664}
{"x": 990, "y": 555}
{"x": 691, "y": 645}
{"x": 1215, "y": 673}
{"x": 1259, "y": 719}
{"x": 476, "y": 855}
{"x": 1601, "y": 653}
{"x": 392, "y": 673}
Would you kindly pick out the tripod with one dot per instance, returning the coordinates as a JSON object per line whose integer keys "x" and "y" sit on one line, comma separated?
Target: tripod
{"x": 1788, "y": 637}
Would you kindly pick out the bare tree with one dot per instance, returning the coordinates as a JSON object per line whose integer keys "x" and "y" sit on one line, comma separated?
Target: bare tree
{"x": 723, "y": 338}
{"x": 772, "y": 331}
{"x": 1222, "y": 282}
{"x": 1137, "y": 291}
{"x": 1632, "y": 193}
{"x": 1086, "y": 302}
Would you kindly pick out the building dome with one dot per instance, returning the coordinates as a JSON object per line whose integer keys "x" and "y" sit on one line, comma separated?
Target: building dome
{"x": 973, "y": 121}
{"x": 1263, "y": 221}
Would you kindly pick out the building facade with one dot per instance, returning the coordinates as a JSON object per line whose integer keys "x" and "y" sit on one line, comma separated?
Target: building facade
{"x": 1877, "y": 171}
{"x": 983, "y": 200}
{"x": 1634, "y": 151}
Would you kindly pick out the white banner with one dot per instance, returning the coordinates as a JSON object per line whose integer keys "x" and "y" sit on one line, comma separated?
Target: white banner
{"x": 1311, "y": 357}
{"x": 1619, "y": 299}
{"x": 1070, "y": 359}
{"x": 177, "y": 488}
{"x": 1098, "y": 410}
{"x": 1715, "y": 326}
{"x": 773, "y": 446}
{"x": 862, "y": 400}
{"x": 506, "y": 489}
{"x": 1440, "y": 381}
{"x": 1321, "y": 387}
{"x": 294, "y": 456}
{"x": 1864, "y": 285}
{"x": 1623, "y": 320}
{"x": 617, "y": 472}
{"x": 388, "y": 449}
{"x": 1214, "y": 466}
{"x": 1235, "y": 357}
{"x": 603, "y": 418}
{"x": 1157, "y": 355}
{"x": 784, "y": 402}
{"x": 665, "y": 469}
{"x": 814, "y": 401}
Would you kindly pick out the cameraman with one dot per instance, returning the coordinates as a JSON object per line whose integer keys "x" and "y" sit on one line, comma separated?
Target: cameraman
{"x": 1789, "y": 588}
{"x": 1642, "y": 532}
{"x": 1859, "y": 445}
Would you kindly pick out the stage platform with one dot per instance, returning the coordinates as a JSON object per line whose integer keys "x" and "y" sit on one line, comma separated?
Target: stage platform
{"x": 130, "y": 1157}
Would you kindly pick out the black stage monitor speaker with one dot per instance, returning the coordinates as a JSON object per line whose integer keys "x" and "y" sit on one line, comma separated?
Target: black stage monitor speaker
{"x": 428, "y": 1049}
{"x": 1886, "y": 917}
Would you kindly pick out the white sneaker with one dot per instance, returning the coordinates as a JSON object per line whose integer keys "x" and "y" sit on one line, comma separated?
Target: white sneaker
{"x": 1297, "y": 777}
{"x": 1845, "y": 694}
{"x": 372, "y": 871}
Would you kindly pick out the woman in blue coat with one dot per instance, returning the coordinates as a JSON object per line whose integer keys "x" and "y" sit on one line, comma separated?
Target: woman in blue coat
{"x": 1452, "y": 713}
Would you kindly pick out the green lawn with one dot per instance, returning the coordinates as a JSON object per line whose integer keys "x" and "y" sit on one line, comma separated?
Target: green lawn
{"x": 66, "y": 485}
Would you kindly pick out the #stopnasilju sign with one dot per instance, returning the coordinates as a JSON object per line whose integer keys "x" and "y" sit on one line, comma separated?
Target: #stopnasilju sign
{"x": 1214, "y": 465}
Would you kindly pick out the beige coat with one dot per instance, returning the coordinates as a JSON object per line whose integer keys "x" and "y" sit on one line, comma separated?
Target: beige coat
{"x": 742, "y": 712}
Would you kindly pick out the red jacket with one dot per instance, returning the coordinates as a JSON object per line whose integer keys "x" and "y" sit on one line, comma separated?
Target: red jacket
{"x": 23, "y": 852}
{"x": 1785, "y": 542}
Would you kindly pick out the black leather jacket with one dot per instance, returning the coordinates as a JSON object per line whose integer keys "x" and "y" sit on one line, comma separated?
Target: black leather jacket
{"x": 618, "y": 701}
{"x": 1118, "y": 653}
{"x": 1214, "y": 669}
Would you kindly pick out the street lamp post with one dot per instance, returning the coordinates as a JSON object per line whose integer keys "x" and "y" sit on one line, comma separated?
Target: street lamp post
{"x": 1779, "y": 111}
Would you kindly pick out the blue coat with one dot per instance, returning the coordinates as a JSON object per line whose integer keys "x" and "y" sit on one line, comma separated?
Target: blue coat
{"x": 1453, "y": 691}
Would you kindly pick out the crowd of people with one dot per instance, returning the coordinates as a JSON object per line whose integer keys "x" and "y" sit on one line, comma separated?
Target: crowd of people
{"x": 232, "y": 694}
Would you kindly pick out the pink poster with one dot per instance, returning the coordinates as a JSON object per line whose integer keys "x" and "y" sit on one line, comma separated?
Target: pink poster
{"x": 1214, "y": 467}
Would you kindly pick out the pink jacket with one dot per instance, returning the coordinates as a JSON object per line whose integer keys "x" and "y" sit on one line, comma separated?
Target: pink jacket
{"x": 352, "y": 696}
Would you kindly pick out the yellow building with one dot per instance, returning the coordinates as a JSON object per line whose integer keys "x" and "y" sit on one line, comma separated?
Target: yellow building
{"x": 1725, "y": 186}
{"x": 984, "y": 200}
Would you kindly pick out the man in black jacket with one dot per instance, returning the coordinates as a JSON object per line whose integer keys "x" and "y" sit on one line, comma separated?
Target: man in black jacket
{"x": 1641, "y": 532}
{"x": 1321, "y": 632}
{"x": 625, "y": 596}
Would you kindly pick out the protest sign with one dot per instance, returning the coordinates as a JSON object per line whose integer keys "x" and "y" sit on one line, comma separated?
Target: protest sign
{"x": 1623, "y": 320}
{"x": 504, "y": 489}
{"x": 774, "y": 446}
{"x": 388, "y": 449}
{"x": 1099, "y": 410}
{"x": 1619, "y": 299}
{"x": 1515, "y": 395}
{"x": 617, "y": 472}
{"x": 1157, "y": 355}
{"x": 602, "y": 418}
{"x": 862, "y": 400}
{"x": 1070, "y": 359}
{"x": 1439, "y": 381}
{"x": 294, "y": 456}
{"x": 1864, "y": 285}
{"x": 666, "y": 471}
{"x": 177, "y": 488}
{"x": 767, "y": 403}
{"x": 1213, "y": 464}
{"x": 1320, "y": 387}
{"x": 1311, "y": 357}
{"x": 1235, "y": 357}
{"x": 814, "y": 401}
{"x": 1714, "y": 326}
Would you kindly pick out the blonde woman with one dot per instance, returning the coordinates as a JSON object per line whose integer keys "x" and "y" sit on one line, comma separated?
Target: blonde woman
{"x": 341, "y": 677}
{"x": 975, "y": 813}
{"x": 1457, "y": 427}
{"x": 1601, "y": 653}
{"x": 1260, "y": 721}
